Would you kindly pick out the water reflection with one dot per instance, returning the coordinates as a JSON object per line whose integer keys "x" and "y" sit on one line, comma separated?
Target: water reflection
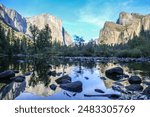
{"x": 41, "y": 75}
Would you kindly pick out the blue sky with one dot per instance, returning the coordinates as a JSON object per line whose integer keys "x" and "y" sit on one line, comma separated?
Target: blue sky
{"x": 81, "y": 17}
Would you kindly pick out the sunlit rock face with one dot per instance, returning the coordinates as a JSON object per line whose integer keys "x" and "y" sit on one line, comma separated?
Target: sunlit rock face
{"x": 57, "y": 31}
{"x": 127, "y": 26}
{"x": 13, "y": 19}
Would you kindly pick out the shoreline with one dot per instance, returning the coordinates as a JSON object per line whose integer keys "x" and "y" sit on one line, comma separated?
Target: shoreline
{"x": 92, "y": 59}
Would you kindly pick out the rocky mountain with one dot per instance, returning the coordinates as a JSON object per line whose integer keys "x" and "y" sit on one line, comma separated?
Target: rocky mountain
{"x": 13, "y": 19}
{"x": 127, "y": 26}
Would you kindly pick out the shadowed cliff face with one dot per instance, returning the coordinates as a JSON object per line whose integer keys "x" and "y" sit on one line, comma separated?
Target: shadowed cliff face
{"x": 13, "y": 19}
{"x": 127, "y": 26}
{"x": 21, "y": 24}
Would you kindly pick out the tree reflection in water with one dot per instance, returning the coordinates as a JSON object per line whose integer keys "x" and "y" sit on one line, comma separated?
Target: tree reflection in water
{"x": 87, "y": 72}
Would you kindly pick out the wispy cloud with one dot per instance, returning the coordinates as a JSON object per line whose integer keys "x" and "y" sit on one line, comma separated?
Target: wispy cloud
{"x": 97, "y": 12}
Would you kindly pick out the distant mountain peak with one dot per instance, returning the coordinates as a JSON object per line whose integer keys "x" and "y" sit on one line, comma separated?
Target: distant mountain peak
{"x": 16, "y": 21}
{"x": 127, "y": 26}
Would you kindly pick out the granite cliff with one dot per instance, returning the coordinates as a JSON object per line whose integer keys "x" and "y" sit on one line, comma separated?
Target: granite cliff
{"x": 13, "y": 19}
{"x": 127, "y": 26}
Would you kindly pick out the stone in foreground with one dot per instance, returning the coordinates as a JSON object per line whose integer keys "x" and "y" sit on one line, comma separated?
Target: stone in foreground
{"x": 134, "y": 87}
{"x": 73, "y": 87}
{"x": 53, "y": 87}
{"x": 147, "y": 91}
{"x": 6, "y": 75}
{"x": 135, "y": 80}
{"x": 99, "y": 91}
{"x": 114, "y": 73}
{"x": 63, "y": 80}
{"x": 18, "y": 78}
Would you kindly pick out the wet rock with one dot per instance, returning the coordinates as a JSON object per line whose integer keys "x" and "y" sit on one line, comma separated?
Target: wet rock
{"x": 16, "y": 71}
{"x": 114, "y": 73}
{"x": 103, "y": 78}
{"x": 53, "y": 87}
{"x": 134, "y": 87}
{"x": 58, "y": 74}
{"x": 117, "y": 88}
{"x": 79, "y": 71}
{"x": 52, "y": 73}
{"x": 6, "y": 75}
{"x": 147, "y": 91}
{"x": 135, "y": 80}
{"x": 86, "y": 78}
{"x": 126, "y": 76}
{"x": 142, "y": 97}
{"x": 146, "y": 83}
{"x": 63, "y": 80}
{"x": 18, "y": 78}
{"x": 73, "y": 87}
{"x": 99, "y": 91}
{"x": 111, "y": 96}
{"x": 65, "y": 93}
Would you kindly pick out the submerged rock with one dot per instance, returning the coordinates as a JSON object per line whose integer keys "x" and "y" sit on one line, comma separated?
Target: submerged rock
{"x": 147, "y": 91}
{"x": 86, "y": 78}
{"x": 58, "y": 74}
{"x": 52, "y": 73}
{"x": 134, "y": 87}
{"x": 6, "y": 75}
{"x": 73, "y": 87}
{"x": 18, "y": 78}
{"x": 99, "y": 91}
{"x": 16, "y": 71}
{"x": 111, "y": 96}
{"x": 63, "y": 80}
{"x": 126, "y": 76}
{"x": 53, "y": 87}
{"x": 114, "y": 73}
{"x": 117, "y": 88}
{"x": 135, "y": 80}
{"x": 146, "y": 83}
{"x": 103, "y": 78}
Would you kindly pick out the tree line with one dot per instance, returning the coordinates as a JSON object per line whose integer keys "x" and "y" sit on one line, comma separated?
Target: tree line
{"x": 41, "y": 42}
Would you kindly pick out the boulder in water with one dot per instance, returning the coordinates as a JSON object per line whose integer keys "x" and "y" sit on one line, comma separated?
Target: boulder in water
{"x": 73, "y": 87}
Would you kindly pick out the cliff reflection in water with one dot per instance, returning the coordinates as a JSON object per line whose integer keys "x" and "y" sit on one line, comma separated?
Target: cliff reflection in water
{"x": 41, "y": 75}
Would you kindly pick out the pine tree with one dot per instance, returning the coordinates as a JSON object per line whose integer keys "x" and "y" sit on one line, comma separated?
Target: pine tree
{"x": 34, "y": 31}
{"x": 44, "y": 39}
{"x": 3, "y": 41}
{"x": 23, "y": 45}
{"x": 9, "y": 42}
